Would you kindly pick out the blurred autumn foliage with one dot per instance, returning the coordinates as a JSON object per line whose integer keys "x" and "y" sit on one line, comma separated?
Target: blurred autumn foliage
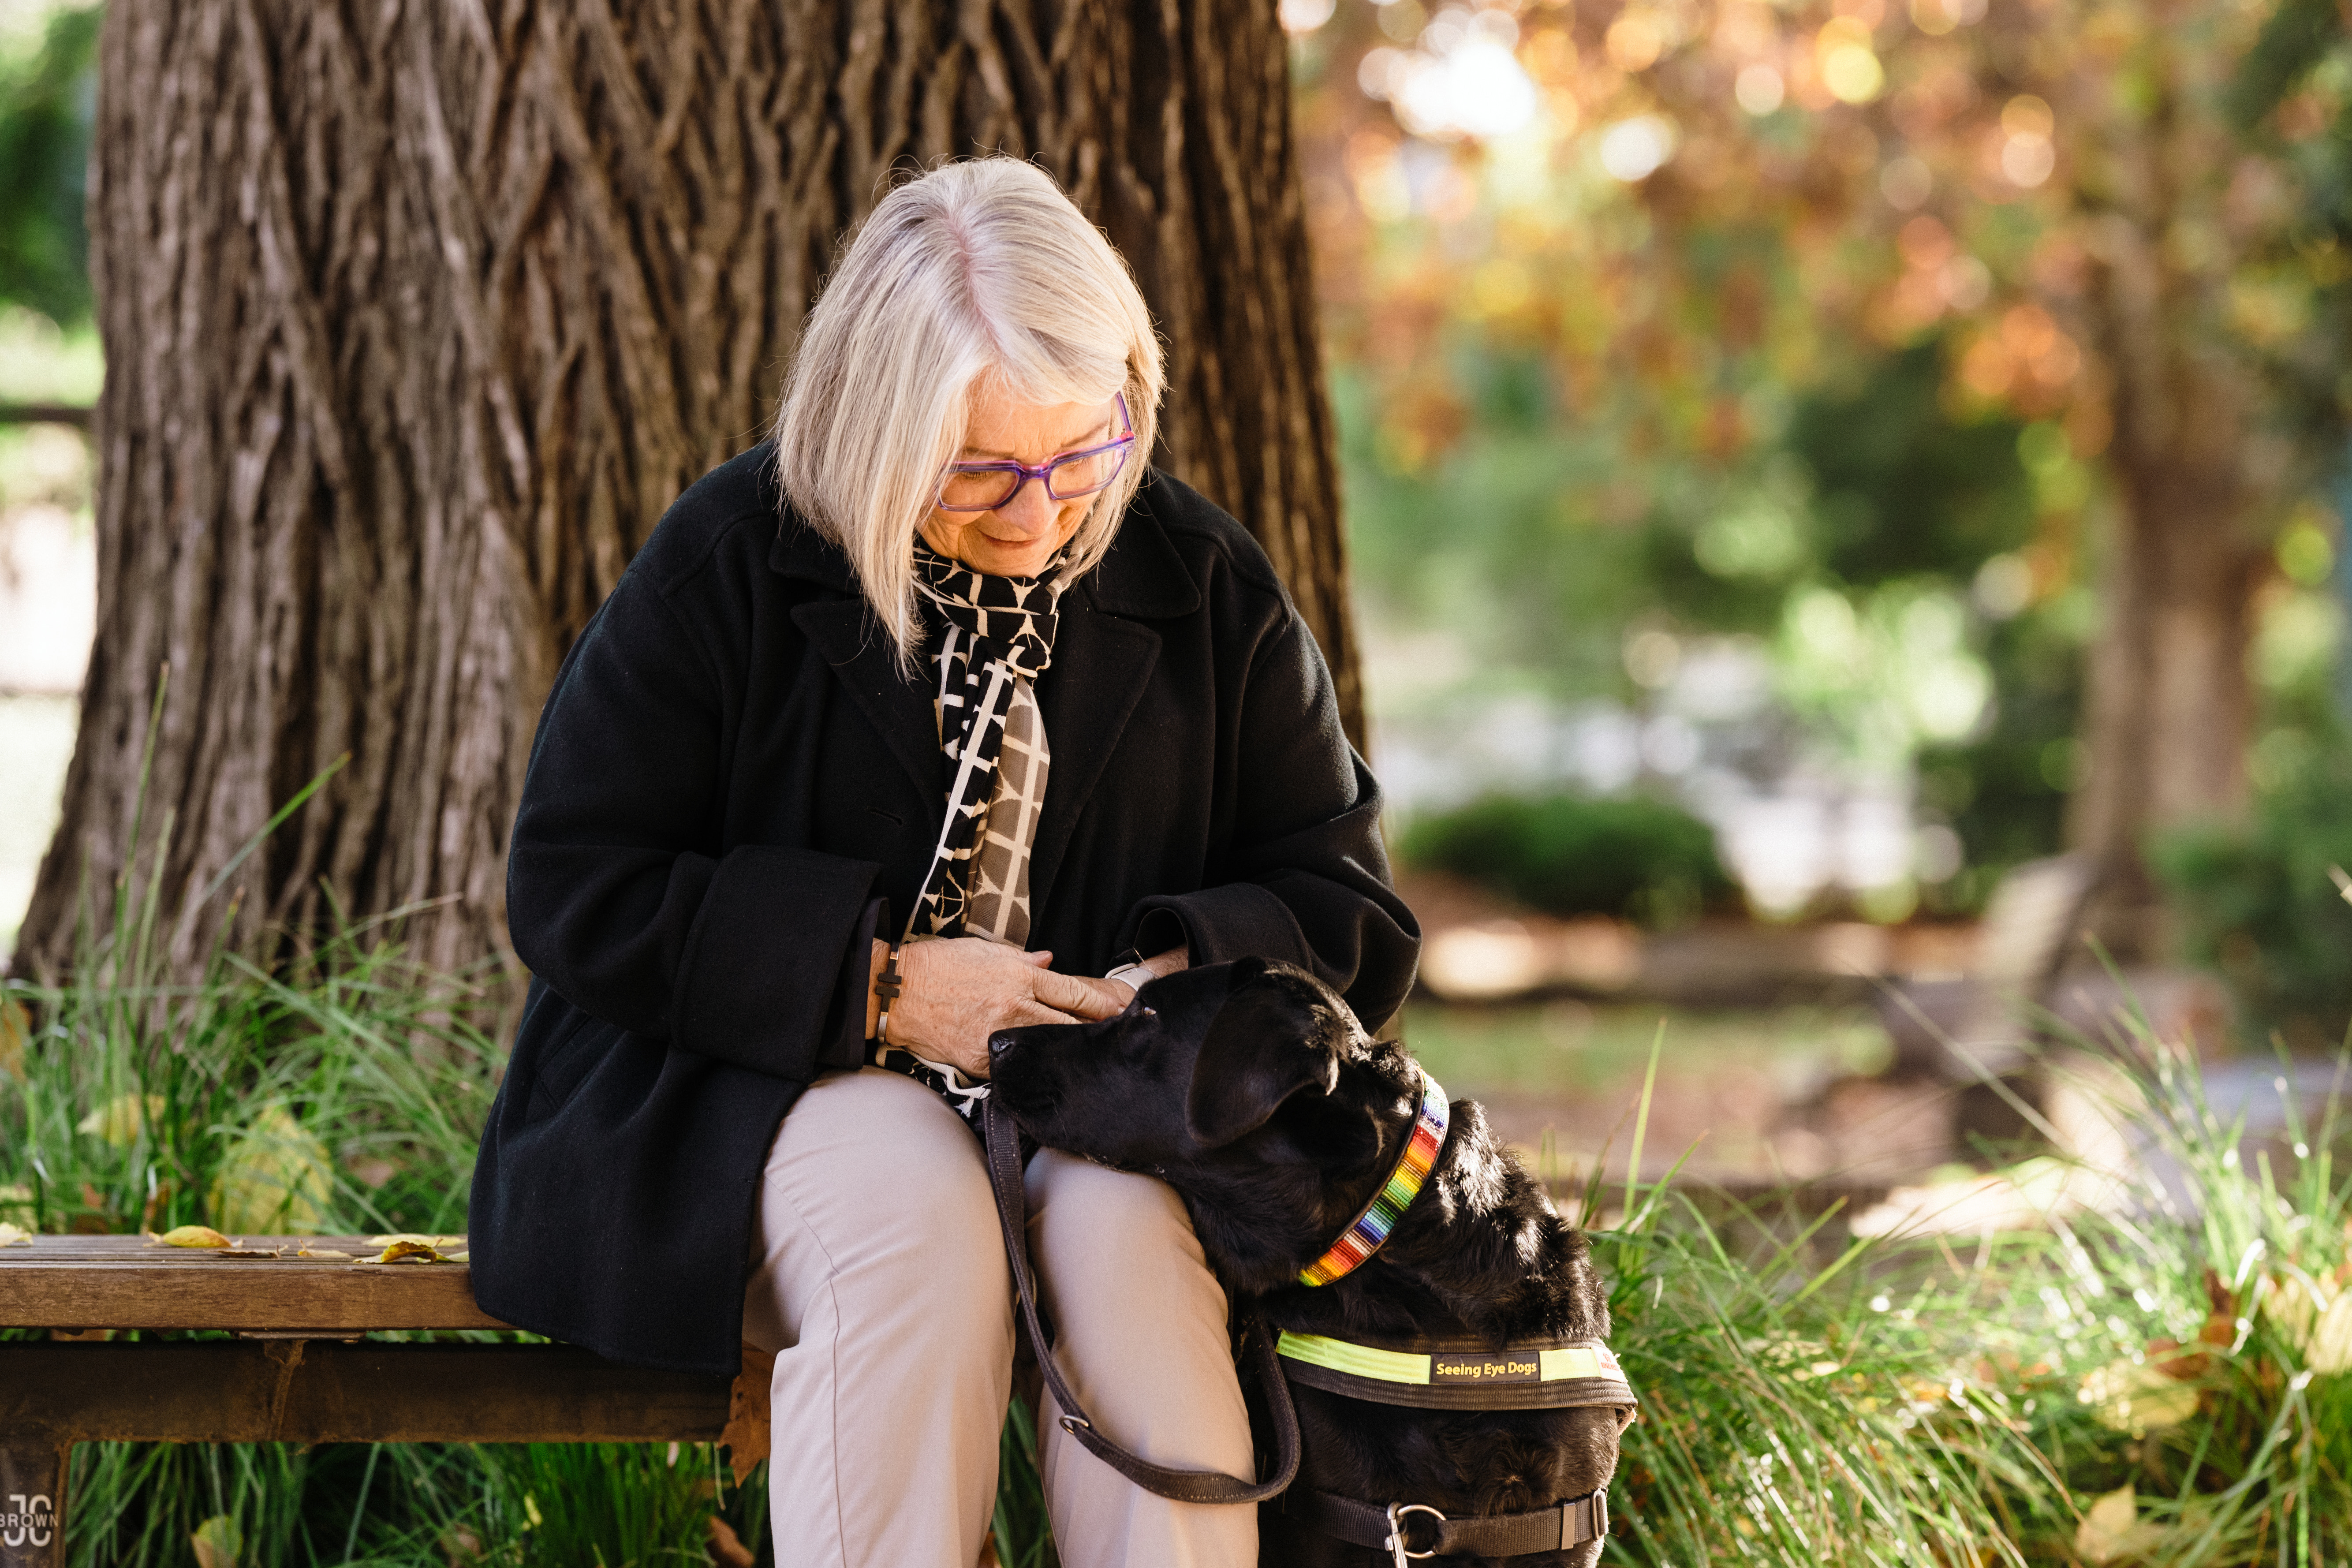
{"x": 1979, "y": 364}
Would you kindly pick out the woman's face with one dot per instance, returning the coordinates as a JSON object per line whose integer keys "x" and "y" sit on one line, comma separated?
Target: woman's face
{"x": 1018, "y": 537}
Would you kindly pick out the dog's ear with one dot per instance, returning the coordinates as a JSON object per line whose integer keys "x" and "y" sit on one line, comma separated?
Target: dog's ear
{"x": 1266, "y": 1043}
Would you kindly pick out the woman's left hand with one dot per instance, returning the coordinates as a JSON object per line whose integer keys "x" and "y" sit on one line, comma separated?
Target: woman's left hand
{"x": 957, "y": 991}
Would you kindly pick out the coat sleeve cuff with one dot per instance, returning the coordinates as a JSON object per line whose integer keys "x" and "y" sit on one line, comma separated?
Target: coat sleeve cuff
{"x": 1238, "y": 920}
{"x": 844, "y": 1026}
{"x": 760, "y": 985}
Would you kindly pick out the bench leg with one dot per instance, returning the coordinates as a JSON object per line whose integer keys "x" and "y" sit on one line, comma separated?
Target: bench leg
{"x": 33, "y": 1504}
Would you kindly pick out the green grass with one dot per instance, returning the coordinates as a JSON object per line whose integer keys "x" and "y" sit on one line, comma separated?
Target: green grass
{"x": 336, "y": 1088}
{"x": 2172, "y": 1386}
{"x": 1901, "y": 1400}
{"x": 1565, "y": 1047}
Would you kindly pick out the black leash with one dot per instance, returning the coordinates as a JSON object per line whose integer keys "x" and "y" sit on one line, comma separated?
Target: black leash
{"x": 1182, "y": 1486}
{"x": 1555, "y": 1529}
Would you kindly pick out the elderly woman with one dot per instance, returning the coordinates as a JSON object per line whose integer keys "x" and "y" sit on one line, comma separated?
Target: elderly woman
{"x": 940, "y": 713}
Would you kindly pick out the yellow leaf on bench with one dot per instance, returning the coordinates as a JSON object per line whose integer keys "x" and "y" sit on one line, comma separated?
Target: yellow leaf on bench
{"x": 435, "y": 1242}
{"x": 15, "y": 1235}
{"x": 408, "y": 1252}
{"x": 190, "y": 1235}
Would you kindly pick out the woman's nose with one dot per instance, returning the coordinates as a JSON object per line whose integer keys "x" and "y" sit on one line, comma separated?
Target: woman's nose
{"x": 1031, "y": 511}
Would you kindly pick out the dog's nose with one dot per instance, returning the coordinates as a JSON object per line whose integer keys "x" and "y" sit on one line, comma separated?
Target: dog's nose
{"x": 998, "y": 1044}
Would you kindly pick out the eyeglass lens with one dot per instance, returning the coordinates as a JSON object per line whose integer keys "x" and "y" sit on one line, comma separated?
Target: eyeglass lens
{"x": 1080, "y": 473}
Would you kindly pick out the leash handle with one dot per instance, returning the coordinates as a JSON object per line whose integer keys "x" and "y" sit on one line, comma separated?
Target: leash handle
{"x": 1182, "y": 1486}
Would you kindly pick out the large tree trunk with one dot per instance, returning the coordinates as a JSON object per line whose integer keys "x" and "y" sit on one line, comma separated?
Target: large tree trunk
{"x": 416, "y": 317}
{"x": 2169, "y": 711}
{"x": 2169, "y": 708}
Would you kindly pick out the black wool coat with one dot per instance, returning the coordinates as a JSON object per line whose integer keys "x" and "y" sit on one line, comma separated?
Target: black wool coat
{"x": 732, "y": 771}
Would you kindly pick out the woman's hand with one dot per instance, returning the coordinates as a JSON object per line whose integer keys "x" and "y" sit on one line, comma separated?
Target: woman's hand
{"x": 955, "y": 992}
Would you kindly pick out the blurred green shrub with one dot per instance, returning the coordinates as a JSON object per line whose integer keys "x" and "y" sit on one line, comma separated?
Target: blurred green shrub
{"x": 47, "y": 92}
{"x": 1642, "y": 858}
{"x": 2258, "y": 902}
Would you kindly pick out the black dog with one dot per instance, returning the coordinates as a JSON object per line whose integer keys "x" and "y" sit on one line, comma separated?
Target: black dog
{"x": 1251, "y": 1089}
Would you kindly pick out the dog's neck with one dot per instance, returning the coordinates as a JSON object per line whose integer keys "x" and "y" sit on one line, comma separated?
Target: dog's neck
{"x": 1480, "y": 1249}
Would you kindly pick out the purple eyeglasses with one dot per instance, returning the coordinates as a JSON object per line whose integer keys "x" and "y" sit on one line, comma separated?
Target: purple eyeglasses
{"x": 984, "y": 486}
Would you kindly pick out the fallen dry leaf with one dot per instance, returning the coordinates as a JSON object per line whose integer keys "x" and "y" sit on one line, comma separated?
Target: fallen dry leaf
{"x": 435, "y": 1242}
{"x": 190, "y": 1235}
{"x": 123, "y": 1119}
{"x": 727, "y": 1548}
{"x": 2331, "y": 1338}
{"x": 745, "y": 1434}
{"x": 2136, "y": 1397}
{"x": 15, "y": 1028}
{"x": 410, "y": 1252}
{"x": 2112, "y": 1530}
{"x": 15, "y": 1235}
{"x": 400, "y": 1249}
{"x": 325, "y": 1253}
{"x": 218, "y": 1543}
{"x": 276, "y": 1179}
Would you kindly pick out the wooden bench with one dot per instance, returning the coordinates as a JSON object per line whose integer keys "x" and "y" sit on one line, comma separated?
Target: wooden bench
{"x": 1965, "y": 1030}
{"x": 299, "y": 1370}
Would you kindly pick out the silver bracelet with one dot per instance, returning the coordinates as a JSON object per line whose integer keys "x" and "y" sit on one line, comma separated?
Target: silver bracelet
{"x": 1131, "y": 975}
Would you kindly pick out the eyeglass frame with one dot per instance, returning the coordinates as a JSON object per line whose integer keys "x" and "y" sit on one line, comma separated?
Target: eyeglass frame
{"x": 1042, "y": 472}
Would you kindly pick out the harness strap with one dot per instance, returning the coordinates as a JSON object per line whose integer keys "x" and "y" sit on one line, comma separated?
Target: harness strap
{"x": 1182, "y": 1486}
{"x": 1571, "y": 1523}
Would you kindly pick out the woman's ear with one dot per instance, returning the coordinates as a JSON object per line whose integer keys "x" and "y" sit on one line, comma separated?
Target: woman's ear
{"x": 1265, "y": 1044}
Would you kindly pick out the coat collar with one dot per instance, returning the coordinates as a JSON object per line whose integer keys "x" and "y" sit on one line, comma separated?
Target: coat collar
{"x": 1104, "y": 653}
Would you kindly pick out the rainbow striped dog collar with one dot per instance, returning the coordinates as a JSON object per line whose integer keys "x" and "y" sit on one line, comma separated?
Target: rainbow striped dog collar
{"x": 1372, "y": 1227}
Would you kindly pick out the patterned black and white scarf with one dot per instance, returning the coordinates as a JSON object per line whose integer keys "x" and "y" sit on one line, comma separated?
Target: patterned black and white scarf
{"x": 999, "y": 631}
{"x": 994, "y": 632}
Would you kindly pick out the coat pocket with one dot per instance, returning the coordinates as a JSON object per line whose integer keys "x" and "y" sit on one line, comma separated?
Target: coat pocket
{"x": 564, "y": 1061}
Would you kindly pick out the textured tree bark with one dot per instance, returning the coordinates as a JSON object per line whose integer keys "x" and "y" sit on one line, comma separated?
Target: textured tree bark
{"x": 416, "y": 317}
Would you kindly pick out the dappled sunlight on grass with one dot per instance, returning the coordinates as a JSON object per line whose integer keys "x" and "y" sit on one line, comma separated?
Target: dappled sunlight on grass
{"x": 1569, "y": 1047}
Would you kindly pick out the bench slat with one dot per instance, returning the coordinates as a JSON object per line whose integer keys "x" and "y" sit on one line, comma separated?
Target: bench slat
{"x": 122, "y": 1282}
{"x": 309, "y": 1392}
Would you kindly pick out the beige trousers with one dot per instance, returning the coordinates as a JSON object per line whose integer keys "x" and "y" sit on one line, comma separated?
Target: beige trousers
{"x": 879, "y": 1281}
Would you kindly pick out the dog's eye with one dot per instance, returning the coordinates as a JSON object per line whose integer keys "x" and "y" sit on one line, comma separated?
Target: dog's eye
{"x": 1147, "y": 1011}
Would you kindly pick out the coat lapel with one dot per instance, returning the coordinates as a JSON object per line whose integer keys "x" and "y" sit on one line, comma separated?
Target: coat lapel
{"x": 1101, "y": 665}
{"x": 1103, "y": 659}
{"x": 899, "y": 709}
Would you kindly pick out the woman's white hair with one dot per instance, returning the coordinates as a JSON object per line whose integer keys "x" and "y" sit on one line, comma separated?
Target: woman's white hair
{"x": 980, "y": 268}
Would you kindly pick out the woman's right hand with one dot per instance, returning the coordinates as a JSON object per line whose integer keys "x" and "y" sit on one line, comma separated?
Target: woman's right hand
{"x": 955, "y": 992}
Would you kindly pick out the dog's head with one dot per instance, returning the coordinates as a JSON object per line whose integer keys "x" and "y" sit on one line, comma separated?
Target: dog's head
{"x": 1248, "y": 1087}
